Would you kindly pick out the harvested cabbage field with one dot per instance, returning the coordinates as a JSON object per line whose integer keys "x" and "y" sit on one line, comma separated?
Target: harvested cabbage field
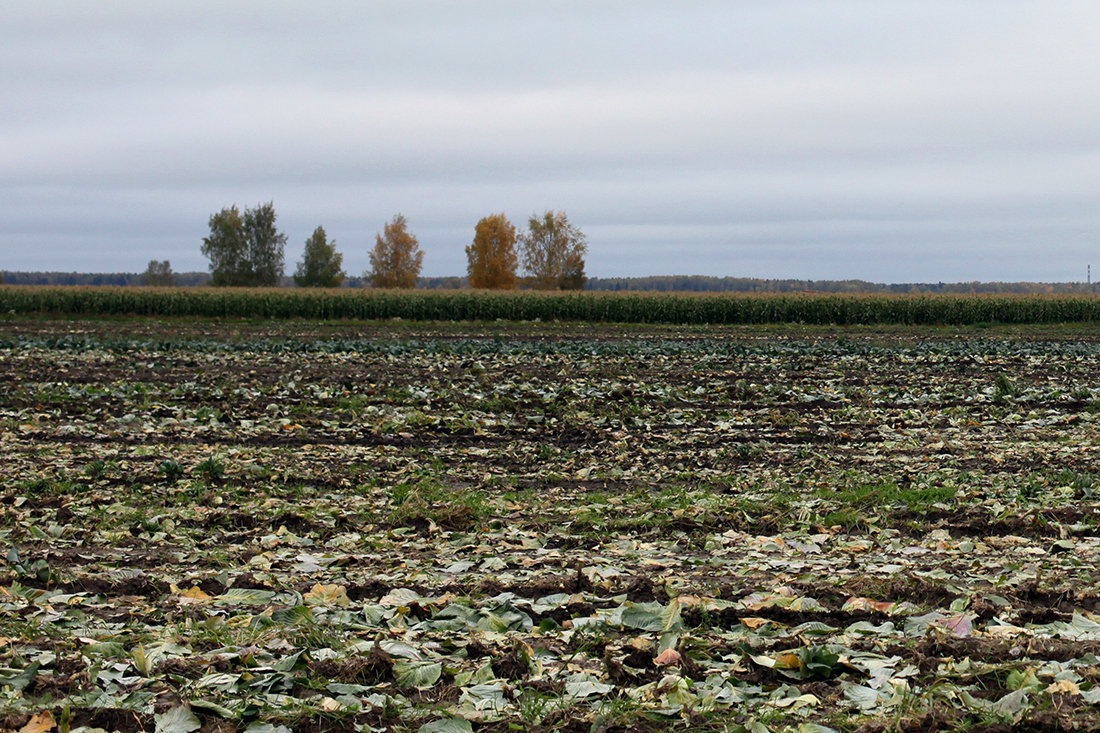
{"x": 255, "y": 526}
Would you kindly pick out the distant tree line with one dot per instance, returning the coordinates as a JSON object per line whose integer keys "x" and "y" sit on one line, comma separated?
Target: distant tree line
{"x": 709, "y": 284}
{"x": 13, "y": 277}
{"x": 693, "y": 283}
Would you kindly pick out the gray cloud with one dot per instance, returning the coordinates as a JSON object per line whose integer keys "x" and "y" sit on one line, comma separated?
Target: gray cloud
{"x": 887, "y": 141}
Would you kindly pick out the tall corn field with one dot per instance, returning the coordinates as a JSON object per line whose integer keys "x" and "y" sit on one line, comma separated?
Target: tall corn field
{"x": 473, "y": 305}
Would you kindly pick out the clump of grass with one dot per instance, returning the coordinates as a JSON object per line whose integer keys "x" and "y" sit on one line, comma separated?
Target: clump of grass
{"x": 96, "y": 469}
{"x": 874, "y": 494}
{"x": 859, "y": 503}
{"x": 1004, "y": 388}
{"x": 428, "y": 501}
{"x": 43, "y": 487}
{"x": 847, "y": 519}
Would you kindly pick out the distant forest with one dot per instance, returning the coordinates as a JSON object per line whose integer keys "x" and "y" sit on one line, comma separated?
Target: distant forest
{"x": 677, "y": 283}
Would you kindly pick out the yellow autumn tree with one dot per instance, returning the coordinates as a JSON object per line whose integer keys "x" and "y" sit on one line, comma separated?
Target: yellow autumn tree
{"x": 396, "y": 258}
{"x": 491, "y": 257}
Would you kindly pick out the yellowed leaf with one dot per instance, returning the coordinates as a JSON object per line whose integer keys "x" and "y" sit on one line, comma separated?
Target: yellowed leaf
{"x": 788, "y": 661}
{"x": 667, "y": 658}
{"x": 328, "y": 595}
{"x": 868, "y": 604}
{"x": 754, "y": 622}
{"x": 1005, "y": 631}
{"x": 1063, "y": 687}
{"x": 194, "y": 594}
{"x": 39, "y": 723}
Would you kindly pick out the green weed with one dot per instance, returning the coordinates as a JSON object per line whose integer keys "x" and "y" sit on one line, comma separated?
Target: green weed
{"x": 212, "y": 469}
{"x": 171, "y": 470}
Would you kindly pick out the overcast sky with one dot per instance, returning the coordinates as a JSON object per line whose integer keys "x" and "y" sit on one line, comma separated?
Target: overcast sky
{"x": 887, "y": 140}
